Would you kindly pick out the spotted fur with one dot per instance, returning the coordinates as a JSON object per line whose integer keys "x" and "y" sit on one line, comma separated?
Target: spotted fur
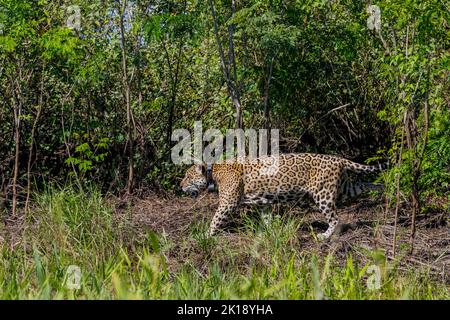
{"x": 279, "y": 179}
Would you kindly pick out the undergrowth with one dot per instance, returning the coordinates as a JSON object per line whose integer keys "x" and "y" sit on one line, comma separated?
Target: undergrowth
{"x": 69, "y": 229}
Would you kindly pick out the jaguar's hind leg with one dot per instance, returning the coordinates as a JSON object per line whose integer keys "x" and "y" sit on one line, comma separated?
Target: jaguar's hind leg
{"x": 326, "y": 200}
{"x": 329, "y": 210}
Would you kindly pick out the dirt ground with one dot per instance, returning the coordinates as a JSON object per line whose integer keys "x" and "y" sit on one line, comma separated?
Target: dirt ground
{"x": 366, "y": 227}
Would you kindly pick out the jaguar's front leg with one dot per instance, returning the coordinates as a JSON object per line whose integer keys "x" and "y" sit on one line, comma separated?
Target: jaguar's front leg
{"x": 229, "y": 198}
{"x": 221, "y": 217}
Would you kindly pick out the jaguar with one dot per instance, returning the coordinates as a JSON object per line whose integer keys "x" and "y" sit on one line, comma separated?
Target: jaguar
{"x": 278, "y": 179}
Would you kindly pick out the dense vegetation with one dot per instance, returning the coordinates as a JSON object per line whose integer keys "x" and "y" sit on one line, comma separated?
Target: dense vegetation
{"x": 95, "y": 103}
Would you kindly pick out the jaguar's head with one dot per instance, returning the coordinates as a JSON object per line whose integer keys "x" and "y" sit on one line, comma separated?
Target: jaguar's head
{"x": 194, "y": 180}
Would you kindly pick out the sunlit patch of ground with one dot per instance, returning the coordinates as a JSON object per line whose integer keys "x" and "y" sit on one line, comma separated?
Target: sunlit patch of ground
{"x": 367, "y": 228}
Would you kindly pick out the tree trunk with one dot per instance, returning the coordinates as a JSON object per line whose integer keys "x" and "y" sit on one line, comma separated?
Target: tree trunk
{"x": 233, "y": 72}
{"x": 397, "y": 203}
{"x": 231, "y": 81}
{"x": 174, "y": 90}
{"x": 17, "y": 115}
{"x": 17, "y": 109}
{"x": 127, "y": 94}
{"x": 33, "y": 133}
{"x": 417, "y": 163}
{"x": 266, "y": 95}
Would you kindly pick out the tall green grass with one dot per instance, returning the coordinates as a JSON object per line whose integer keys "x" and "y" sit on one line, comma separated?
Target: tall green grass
{"x": 68, "y": 227}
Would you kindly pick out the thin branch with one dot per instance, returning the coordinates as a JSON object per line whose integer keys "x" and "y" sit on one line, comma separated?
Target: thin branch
{"x": 315, "y": 122}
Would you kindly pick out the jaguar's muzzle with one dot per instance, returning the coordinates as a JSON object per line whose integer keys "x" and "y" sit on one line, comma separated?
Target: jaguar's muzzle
{"x": 194, "y": 194}
{"x": 192, "y": 191}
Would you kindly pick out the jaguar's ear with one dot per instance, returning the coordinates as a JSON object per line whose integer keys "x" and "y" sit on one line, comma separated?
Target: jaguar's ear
{"x": 200, "y": 168}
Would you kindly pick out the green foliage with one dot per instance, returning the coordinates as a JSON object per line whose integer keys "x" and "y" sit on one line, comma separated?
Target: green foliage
{"x": 62, "y": 45}
{"x": 88, "y": 156}
{"x": 436, "y": 170}
{"x": 416, "y": 65}
{"x": 318, "y": 55}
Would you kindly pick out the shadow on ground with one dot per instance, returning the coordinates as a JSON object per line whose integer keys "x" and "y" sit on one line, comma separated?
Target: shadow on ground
{"x": 366, "y": 228}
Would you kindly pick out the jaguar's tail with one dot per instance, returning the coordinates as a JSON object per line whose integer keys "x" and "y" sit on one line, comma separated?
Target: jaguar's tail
{"x": 353, "y": 166}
